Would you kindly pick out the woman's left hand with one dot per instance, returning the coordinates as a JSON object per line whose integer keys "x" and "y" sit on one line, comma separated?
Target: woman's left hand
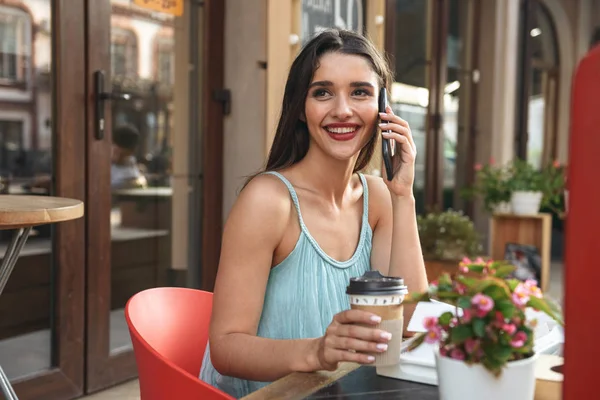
{"x": 402, "y": 183}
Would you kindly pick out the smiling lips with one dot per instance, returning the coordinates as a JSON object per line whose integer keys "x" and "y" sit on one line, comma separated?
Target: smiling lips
{"x": 342, "y": 132}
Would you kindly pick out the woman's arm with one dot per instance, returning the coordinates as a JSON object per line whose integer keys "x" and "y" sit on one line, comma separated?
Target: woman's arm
{"x": 396, "y": 246}
{"x": 252, "y": 232}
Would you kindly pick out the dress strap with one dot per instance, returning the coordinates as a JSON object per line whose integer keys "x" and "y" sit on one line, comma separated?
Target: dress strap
{"x": 292, "y": 194}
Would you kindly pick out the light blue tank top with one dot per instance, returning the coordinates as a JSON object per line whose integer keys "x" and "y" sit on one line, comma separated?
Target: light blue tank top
{"x": 303, "y": 293}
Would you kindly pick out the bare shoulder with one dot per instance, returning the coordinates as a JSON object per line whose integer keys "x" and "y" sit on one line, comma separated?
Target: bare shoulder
{"x": 379, "y": 195}
{"x": 264, "y": 201}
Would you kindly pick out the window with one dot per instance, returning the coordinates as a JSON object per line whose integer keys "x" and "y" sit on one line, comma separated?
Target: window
{"x": 165, "y": 60}
{"x": 15, "y": 41}
{"x": 124, "y": 52}
{"x": 11, "y": 145}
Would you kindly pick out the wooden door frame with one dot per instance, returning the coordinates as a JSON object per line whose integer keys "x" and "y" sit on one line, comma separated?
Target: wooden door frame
{"x": 102, "y": 368}
{"x": 66, "y": 378}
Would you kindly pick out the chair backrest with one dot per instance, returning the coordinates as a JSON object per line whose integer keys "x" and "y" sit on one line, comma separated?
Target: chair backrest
{"x": 169, "y": 331}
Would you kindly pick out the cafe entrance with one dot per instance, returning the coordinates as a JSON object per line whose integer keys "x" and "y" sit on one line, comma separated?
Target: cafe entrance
{"x": 116, "y": 104}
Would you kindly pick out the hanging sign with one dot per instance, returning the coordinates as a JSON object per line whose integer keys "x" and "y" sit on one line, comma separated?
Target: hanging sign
{"x": 172, "y": 7}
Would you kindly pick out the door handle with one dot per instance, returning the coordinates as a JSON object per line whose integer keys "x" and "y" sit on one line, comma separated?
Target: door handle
{"x": 100, "y": 96}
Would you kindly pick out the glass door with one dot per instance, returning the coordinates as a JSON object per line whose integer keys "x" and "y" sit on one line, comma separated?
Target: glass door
{"x": 432, "y": 45}
{"x": 42, "y": 145}
{"x": 149, "y": 159}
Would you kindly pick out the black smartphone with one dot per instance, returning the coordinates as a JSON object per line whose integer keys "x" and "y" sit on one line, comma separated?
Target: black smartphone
{"x": 389, "y": 147}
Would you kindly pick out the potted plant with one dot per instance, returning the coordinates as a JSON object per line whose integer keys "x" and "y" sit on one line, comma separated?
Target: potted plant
{"x": 446, "y": 237}
{"x": 527, "y": 187}
{"x": 492, "y": 185}
{"x": 485, "y": 351}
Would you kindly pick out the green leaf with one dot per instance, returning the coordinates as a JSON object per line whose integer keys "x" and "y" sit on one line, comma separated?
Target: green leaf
{"x": 492, "y": 281}
{"x": 504, "y": 270}
{"x": 444, "y": 279}
{"x": 479, "y": 327}
{"x": 468, "y": 282}
{"x": 445, "y": 318}
{"x": 418, "y": 340}
{"x": 496, "y": 292}
{"x": 542, "y": 305}
{"x": 506, "y": 307}
{"x": 476, "y": 268}
{"x": 460, "y": 333}
{"x": 512, "y": 284}
{"x": 464, "y": 302}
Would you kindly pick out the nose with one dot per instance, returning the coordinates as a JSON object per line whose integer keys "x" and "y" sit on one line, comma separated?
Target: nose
{"x": 342, "y": 109}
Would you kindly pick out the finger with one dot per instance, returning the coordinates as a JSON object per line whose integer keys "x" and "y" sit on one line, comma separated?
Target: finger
{"x": 357, "y": 317}
{"x": 345, "y": 355}
{"x": 363, "y": 333}
{"x": 390, "y": 116}
{"x": 404, "y": 132}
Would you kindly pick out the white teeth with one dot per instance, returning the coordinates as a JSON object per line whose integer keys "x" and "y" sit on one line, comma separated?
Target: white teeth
{"x": 341, "y": 130}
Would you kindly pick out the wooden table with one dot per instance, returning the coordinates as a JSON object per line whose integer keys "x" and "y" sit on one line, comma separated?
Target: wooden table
{"x": 20, "y": 214}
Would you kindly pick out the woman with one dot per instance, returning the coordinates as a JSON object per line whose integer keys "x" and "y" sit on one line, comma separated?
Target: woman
{"x": 296, "y": 236}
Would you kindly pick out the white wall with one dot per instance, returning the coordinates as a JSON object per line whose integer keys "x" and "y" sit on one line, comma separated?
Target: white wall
{"x": 244, "y": 129}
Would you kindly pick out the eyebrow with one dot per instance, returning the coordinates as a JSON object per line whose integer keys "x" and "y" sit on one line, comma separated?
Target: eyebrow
{"x": 329, "y": 83}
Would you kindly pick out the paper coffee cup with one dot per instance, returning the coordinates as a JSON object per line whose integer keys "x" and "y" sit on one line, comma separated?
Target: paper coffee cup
{"x": 383, "y": 296}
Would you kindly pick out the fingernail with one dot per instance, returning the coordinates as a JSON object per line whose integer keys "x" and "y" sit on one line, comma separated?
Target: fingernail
{"x": 382, "y": 124}
{"x": 376, "y": 318}
{"x": 382, "y": 346}
{"x": 386, "y": 335}
{"x": 370, "y": 358}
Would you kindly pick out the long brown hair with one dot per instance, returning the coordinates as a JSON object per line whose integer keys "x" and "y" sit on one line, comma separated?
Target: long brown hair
{"x": 292, "y": 139}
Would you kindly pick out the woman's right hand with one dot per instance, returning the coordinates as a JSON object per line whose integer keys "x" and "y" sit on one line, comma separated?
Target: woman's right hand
{"x": 351, "y": 334}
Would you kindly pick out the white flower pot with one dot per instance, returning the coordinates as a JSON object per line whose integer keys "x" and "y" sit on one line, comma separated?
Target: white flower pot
{"x": 460, "y": 381}
{"x": 526, "y": 203}
{"x": 503, "y": 208}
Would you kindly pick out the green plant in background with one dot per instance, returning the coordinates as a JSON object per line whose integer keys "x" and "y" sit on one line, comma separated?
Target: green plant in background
{"x": 491, "y": 184}
{"x": 554, "y": 184}
{"x": 525, "y": 177}
{"x": 448, "y": 235}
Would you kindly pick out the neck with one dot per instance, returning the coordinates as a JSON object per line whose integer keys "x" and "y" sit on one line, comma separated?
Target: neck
{"x": 327, "y": 176}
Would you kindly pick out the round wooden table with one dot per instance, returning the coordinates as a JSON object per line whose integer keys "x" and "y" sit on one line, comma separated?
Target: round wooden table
{"x": 20, "y": 214}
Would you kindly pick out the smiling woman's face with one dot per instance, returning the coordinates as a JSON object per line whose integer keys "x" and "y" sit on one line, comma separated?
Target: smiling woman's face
{"x": 341, "y": 105}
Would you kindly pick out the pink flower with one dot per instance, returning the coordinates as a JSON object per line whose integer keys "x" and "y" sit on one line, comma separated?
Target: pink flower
{"x": 499, "y": 318}
{"x": 430, "y": 323}
{"x": 533, "y": 289}
{"x": 443, "y": 351}
{"x": 457, "y": 354}
{"x": 520, "y": 296}
{"x": 460, "y": 288}
{"x": 509, "y": 328}
{"x": 466, "y": 260}
{"x": 471, "y": 345}
{"x": 556, "y": 164}
{"x": 453, "y": 322}
{"x": 483, "y": 304}
{"x": 463, "y": 269}
{"x": 433, "y": 335}
{"x": 519, "y": 339}
{"x": 479, "y": 260}
{"x": 492, "y": 161}
{"x": 478, "y": 167}
{"x": 467, "y": 315}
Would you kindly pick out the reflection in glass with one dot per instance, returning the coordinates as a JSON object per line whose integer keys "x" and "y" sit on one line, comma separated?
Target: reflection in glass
{"x": 143, "y": 65}
{"x": 26, "y": 168}
{"x": 410, "y": 94}
{"x": 541, "y": 127}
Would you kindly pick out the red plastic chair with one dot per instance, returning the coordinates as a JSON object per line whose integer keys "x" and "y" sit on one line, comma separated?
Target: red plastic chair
{"x": 169, "y": 331}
